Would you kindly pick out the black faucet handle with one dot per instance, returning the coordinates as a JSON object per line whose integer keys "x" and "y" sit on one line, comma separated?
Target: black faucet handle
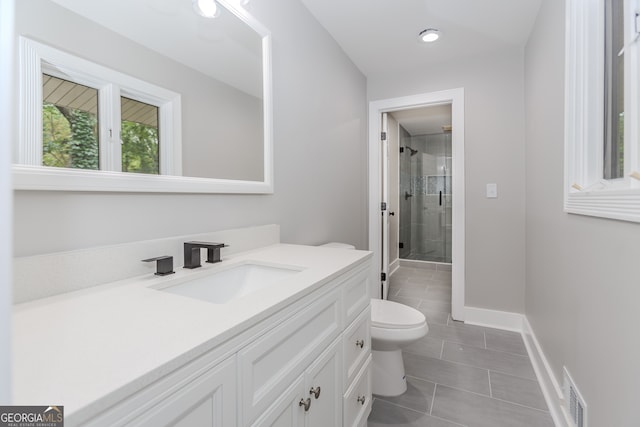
{"x": 164, "y": 264}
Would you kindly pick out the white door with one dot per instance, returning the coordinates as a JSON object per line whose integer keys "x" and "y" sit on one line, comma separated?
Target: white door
{"x": 384, "y": 203}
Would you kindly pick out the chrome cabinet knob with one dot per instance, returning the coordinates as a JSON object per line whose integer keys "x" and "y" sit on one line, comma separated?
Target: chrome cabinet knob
{"x": 362, "y": 399}
{"x": 360, "y": 343}
{"x": 306, "y": 403}
{"x": 315, "y": 391}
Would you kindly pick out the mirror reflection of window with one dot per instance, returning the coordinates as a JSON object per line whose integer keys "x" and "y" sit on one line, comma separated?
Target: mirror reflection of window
{"x": 69, "y": 124}
{"x": 140, "y": 137}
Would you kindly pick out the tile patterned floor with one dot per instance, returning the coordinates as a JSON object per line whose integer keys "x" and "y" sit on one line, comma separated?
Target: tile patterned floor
{"x": 458, "y": 375}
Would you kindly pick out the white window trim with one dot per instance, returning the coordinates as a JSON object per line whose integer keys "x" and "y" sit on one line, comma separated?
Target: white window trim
{"x": 36, "y": 58}
{"x": 586, "y": 192}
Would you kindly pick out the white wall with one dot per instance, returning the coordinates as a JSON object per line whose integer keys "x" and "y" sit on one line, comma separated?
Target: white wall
{"x": 320, "y": 163}
{"x": 494, "y": 153}
{"x": 583, "y": 274}
{"x": 6, "y": 134}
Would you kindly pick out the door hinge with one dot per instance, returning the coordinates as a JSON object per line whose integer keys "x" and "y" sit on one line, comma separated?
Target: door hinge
{"x": 383, "y": 206}
{"x": 401, "y": 245}
{"x": 402, "y": 149}
{"x": 383, "y": 136}
{"x": 383, "y": 276}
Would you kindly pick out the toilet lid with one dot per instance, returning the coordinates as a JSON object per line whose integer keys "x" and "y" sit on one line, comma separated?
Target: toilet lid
{"x": 393, "y": 315}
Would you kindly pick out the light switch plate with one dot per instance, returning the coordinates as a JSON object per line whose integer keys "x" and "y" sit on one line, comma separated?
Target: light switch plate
{"x": 492, "y": 191}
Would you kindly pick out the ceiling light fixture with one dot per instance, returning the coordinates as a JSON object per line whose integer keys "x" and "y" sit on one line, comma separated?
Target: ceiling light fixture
{"x": 206, "y": 8}
{"x": 429, "y": 35}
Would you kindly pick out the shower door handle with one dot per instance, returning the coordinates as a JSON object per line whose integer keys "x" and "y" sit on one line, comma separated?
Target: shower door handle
{"x": 440, "y": 198}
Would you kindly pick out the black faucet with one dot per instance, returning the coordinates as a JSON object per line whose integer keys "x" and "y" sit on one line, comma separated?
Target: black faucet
{"x": 192, "y": 253}
{"x": 164, "y": 264}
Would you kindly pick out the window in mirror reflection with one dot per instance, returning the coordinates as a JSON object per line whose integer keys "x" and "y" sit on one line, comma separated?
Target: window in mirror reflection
{"x": 69, "y": 124}
{"x": 140, "y": 135}
{"x": 94, "y": 118}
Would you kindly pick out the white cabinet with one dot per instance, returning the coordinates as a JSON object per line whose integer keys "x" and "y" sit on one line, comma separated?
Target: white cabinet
{"x": 207, "y": 401}
{"x": 324, "y": 387}
{"x": 307, "y": 365}
{"x": 273, "y": 367}
{"x": 286, "y": 410}
{"x": 272, "y": 362}
{"x": 201, "y": 393}
{"x": 314, "y": 399}
{"x": 357, "y": 346}
{"x": 357, "y": 399}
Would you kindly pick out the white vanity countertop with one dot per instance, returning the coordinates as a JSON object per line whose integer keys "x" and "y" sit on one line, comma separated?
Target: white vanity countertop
{"x": 98, "y": 345}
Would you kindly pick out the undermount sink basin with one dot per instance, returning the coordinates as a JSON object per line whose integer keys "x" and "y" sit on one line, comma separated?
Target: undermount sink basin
{"x": 232, "y": 283}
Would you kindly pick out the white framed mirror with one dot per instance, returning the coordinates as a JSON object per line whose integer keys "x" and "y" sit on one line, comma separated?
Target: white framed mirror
{"x": 168, "y": 100}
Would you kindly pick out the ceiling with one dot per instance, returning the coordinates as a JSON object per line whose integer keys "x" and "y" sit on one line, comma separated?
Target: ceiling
{"x": 424, "y": 120}
{"x": 63, "y": 93}
{"x": 381, "y": 36}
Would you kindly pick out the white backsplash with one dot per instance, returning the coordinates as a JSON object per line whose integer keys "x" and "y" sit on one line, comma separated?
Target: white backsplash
{"x": 41, "y": 276}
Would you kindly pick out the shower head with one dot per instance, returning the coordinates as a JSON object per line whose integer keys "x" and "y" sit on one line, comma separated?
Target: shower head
{"x": 413, "y": 152}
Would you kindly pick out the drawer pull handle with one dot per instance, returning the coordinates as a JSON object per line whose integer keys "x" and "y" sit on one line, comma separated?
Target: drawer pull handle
{"x": 305, "y": 403}
{"x": 315, "y": 391}
{"x": 362, "y": 399}
{"x": 360, "y": 343}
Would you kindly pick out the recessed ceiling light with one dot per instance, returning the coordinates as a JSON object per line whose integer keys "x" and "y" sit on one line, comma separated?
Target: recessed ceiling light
{"x": 206, "y": 8}
{"x": 429, "y": 35}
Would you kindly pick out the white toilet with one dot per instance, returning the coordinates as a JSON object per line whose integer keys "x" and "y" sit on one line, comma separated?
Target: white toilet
{"x": 393, "y": 326}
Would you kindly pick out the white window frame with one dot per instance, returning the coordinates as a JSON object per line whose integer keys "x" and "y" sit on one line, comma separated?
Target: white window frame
{"x": 37, "y": 58}
{"x": 586, "y": 192}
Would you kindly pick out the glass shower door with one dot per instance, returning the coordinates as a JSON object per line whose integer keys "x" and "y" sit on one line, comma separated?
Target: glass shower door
{"x": 425, "y": 197}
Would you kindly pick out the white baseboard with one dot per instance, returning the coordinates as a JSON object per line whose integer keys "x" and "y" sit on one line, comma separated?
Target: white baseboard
{"x": 518, "y": 322}
{"x": 548, "y": 382}
{"x": 493, "y": 318}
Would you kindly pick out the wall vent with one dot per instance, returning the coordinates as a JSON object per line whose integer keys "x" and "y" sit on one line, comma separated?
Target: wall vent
{"x": 575, "y": 403}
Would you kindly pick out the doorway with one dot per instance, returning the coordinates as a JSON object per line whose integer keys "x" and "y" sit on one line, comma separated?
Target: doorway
{"x": 416, "y": 178}
{"x": 423, "y": 169}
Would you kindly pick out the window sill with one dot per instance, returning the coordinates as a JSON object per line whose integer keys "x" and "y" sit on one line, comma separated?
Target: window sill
{"x": 623, "y": 205}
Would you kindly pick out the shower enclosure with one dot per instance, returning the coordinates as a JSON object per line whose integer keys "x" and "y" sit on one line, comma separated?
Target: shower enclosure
{"x": 425, "y": 197}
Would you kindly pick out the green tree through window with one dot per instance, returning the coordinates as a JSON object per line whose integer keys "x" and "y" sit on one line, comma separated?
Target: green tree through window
{"x": 69, "y": 138}
{"x": 139, "y": 148}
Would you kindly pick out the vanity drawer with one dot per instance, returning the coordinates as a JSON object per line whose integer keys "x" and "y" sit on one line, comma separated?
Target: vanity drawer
{"x": 272, "y": 362}
{"x": 356, "y": 345}
{"x": 356, "y": 294}
{"x": 357, "y": 400}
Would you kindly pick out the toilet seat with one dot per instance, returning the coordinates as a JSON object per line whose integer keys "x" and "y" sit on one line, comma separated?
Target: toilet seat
{"x": 392, "y": 315}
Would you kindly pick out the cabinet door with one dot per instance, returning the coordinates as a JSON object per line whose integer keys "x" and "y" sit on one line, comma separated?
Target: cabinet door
{"x": 357, "y": 399}
{"x": 357, "y": 346}
{"x": 286, "y": 411}
{"x": 209, "y": 400}
{"x": 272, "y": 362}
{"x": 324, "y": 380}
